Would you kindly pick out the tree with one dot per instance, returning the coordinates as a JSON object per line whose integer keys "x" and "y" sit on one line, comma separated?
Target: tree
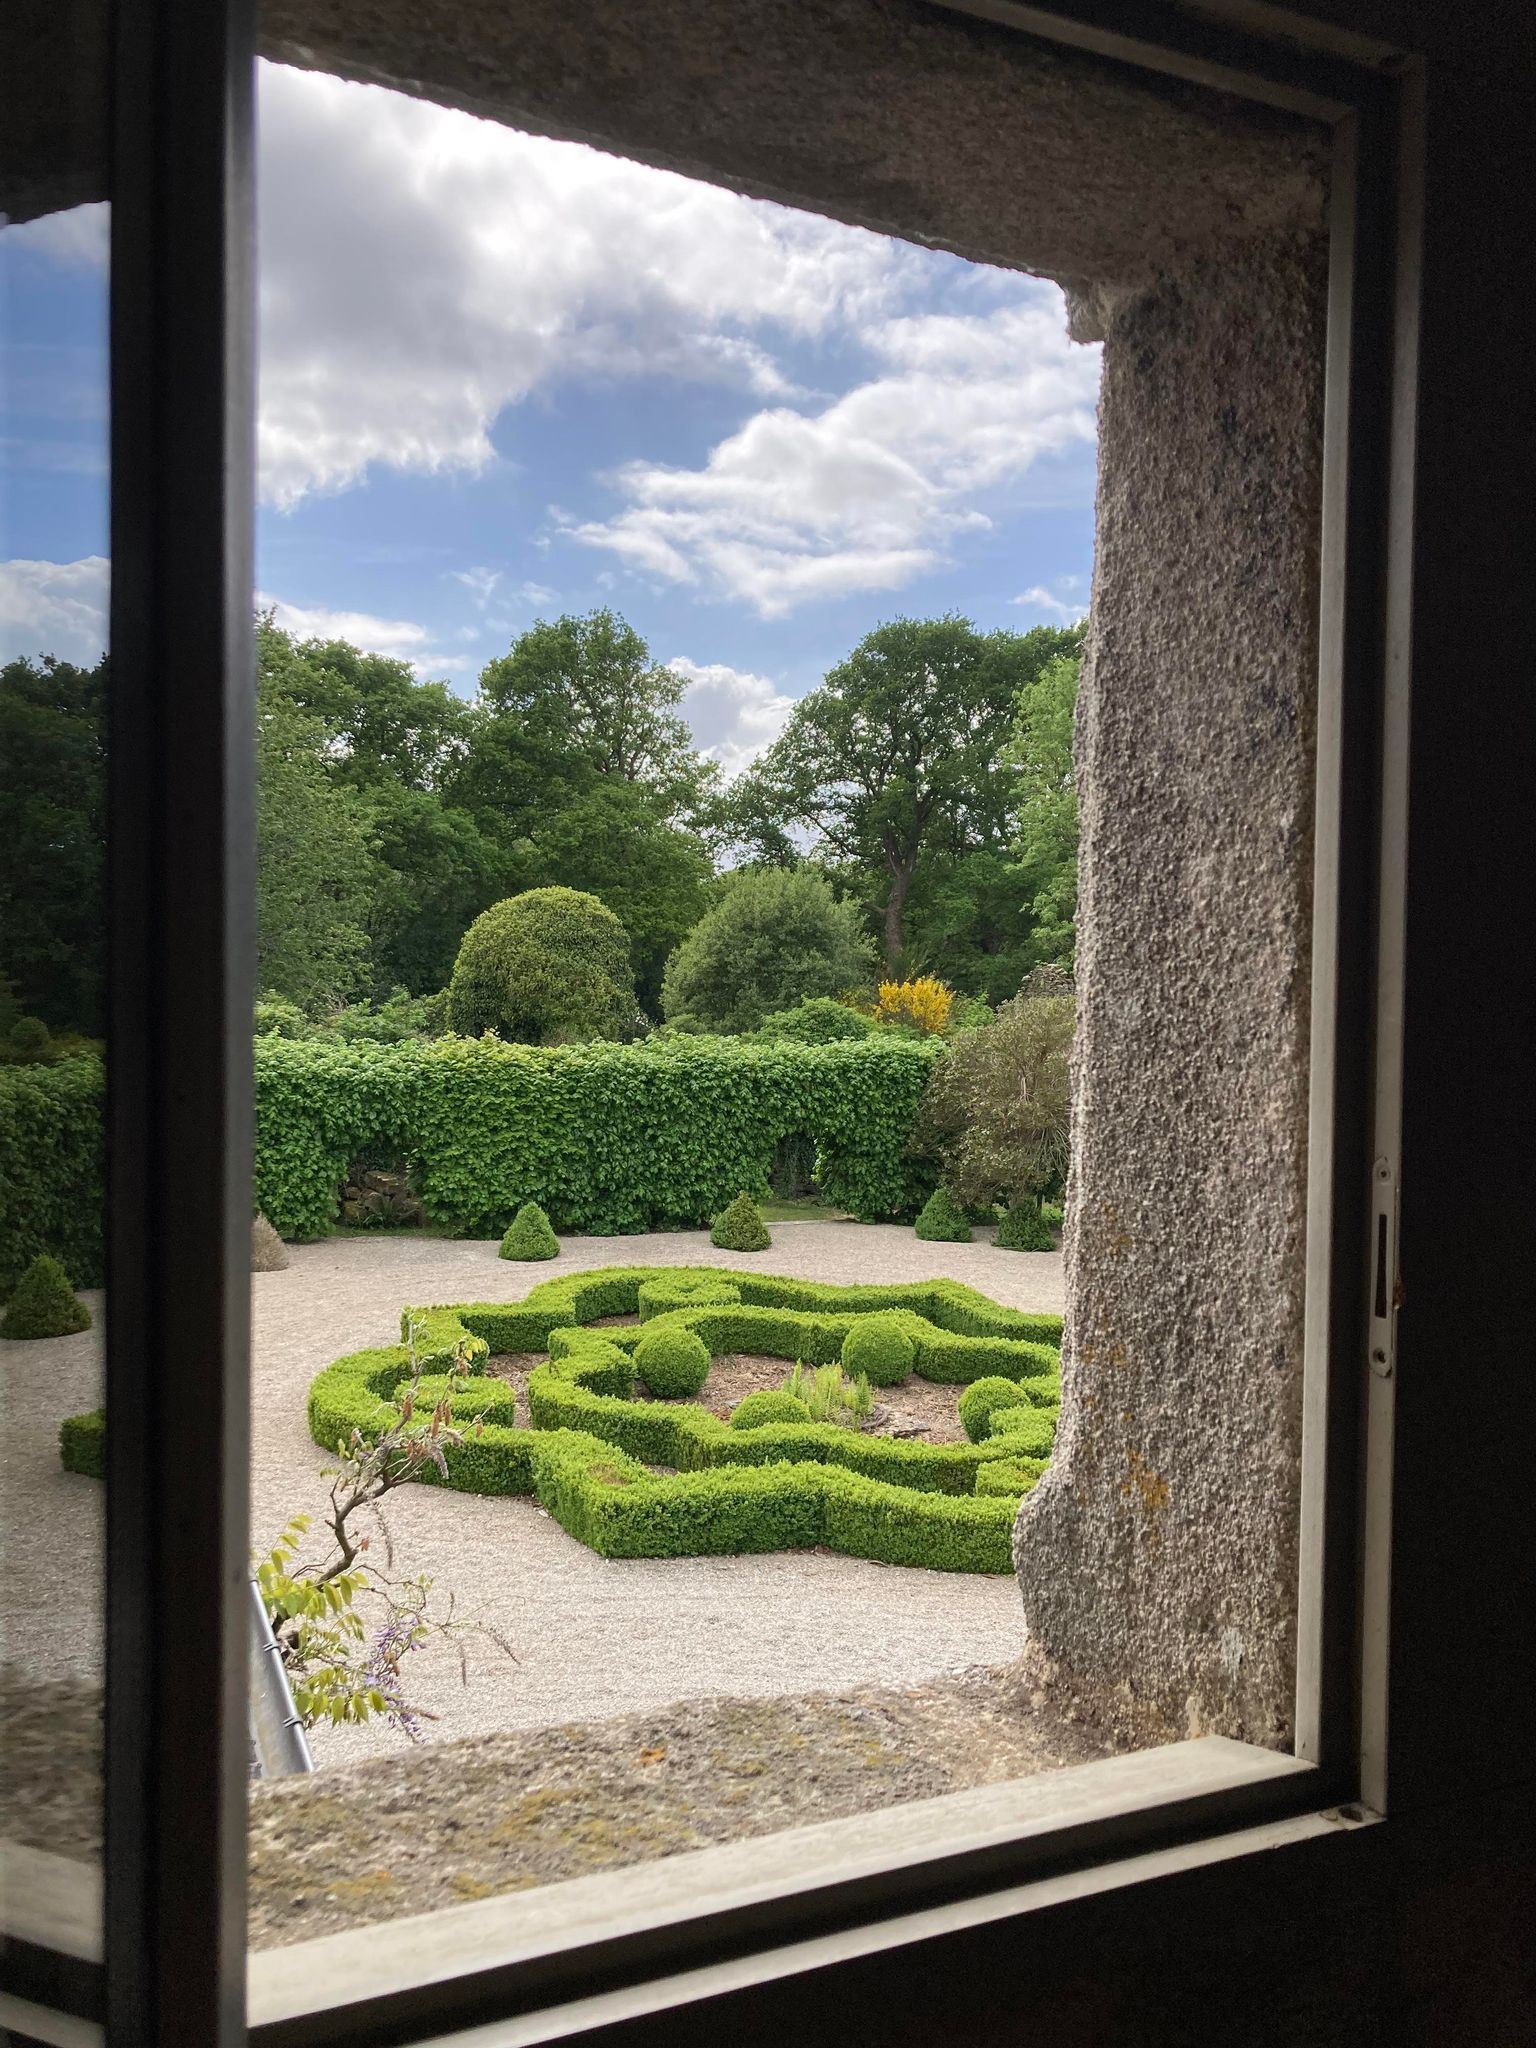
{"x": 895, "y": 756}
{"x": 775, "y": 937}
{"x": 1045, "y": 818}
{"x": 314, "y": 863}
{"x": 53, "y": 827}
{"x": 544, "y": 967}
{"x": 997, "y": 1109}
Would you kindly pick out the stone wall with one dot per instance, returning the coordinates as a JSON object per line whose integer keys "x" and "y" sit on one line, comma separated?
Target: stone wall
{"x": 1159, "y": 1553}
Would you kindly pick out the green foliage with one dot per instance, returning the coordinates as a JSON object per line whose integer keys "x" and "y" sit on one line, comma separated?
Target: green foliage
{"x": 276, "y": 1017}
{"x": 828, "y": 1394}
{"x": 943, "y": 1221}
{"x": 605, "y": 1138}
{"x": 740, "y": 1227}
{"x": 44, "y": 1304}
{"x": 672, "y": 1361}
{"x": 51, "y": 1167}
{"x": 529, "y": 1236}
{"x": 1023, "y": 1228}
{"x": 981, "y": 1401}
{"x": 326, "y": 1632}
{"x": 881, "y": 1349}
{"x": 760, "y": 1486}
{"x": 702, "y": 1289}
{"x": 894, "y": 762}
{"x": 546, "y": 967}
{"x": 818, "y": 1020}
{"x": 769, "y": 1404}
{"x": 53, "y": 798}
{"x": 1012, "y": 1476}
{"x": 998, "y": 1109}
{"x": 1045, "y": 819}
{"x": 775, "y": 937}
{"x": 83, "y": 1444}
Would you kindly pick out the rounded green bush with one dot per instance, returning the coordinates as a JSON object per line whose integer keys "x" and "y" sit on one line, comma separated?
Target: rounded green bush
{"x": 547, "y": 966}
{"x": 1024, "y": 1229}
{"x": 44, "y": 1304}
{"x": 769, "y": 1404}
{"x": 943, "y": 1220}
{"x": 696, "y": 1290}
{"x": 1010, "y": 1475}
{"x": 979, "y": 1401}
{"x": 818, "y": 1020}
{"x": 673, "y": 1363}
{"x": 740, "y": 1227}
{"x": 529, "y": 1235}
{"x": 881, "y": 1349}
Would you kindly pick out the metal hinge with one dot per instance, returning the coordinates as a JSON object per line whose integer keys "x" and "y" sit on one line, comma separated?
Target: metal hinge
{"x": 1386, "y": 1282}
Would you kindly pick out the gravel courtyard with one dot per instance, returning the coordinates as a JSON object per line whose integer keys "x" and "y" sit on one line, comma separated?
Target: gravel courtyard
{"x": 593, "y": 1637}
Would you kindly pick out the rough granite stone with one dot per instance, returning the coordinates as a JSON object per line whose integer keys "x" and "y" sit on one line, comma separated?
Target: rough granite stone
{"x": 1159, "y": 1551}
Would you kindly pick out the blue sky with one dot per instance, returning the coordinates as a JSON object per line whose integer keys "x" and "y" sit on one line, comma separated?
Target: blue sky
{"x": 504, "y": 377}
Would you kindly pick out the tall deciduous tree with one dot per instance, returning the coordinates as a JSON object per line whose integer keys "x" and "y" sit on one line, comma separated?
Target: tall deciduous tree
{"x": 1045, "y": 818}
{"x": 774, "y": 937}
{"x": 895, "y": 758}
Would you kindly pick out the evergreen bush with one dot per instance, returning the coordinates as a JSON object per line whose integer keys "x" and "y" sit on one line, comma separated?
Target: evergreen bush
{"x": 673, "y": 1362}
{"x": 1024, "y": 1229}
{"x": 529, "y": 1235}
{"x": 740, "y": 1227}
{"x": 544, "y": 967}
{"x": 880, "y": 1348}
{"x": 943, "y": 1220}
{"x": 982, "y": 1400}
{"x": 770, "y": 1404}
{"x": 44, "y": 1304}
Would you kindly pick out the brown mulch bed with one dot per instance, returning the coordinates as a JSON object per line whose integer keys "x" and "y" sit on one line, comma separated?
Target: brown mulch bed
{"x": 915, "y": 1408}
{"x": 503, "y": 1813}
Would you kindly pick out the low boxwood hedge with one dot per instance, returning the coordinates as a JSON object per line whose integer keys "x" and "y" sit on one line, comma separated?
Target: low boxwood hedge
{"x": 591, "y": 1454}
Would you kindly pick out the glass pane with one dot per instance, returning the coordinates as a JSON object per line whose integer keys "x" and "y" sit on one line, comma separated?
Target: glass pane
{"x": 53, "y": 759}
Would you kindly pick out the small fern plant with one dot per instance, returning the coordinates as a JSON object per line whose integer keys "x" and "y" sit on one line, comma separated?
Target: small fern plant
{"x": 831, "y": 1396}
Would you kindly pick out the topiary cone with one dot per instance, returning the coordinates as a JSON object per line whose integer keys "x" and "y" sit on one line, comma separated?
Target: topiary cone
{"x": 530, "y": 1235}
{"x": 1024, "y": 1229}
{"x": 44, "y": 1304}
{"x": 943, "y": 1220}
{"x": 268, "y": 1252}
{"x": 740, "y": 1227}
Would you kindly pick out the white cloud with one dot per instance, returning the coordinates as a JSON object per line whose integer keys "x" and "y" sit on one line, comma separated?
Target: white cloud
{"x": 81, "y": 234}
{"x": 865, "y": 493}
{"x": 421, "y": 270}
{"x": 1069, "y": 606}
{"x": 402, "y": 639}
{"x": 733, "y": 714}
{"x": 55, "y": 608}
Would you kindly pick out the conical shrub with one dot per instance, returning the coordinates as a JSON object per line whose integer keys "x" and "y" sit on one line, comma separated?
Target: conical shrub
{"x": 44, "y": 1304}
{"x": 943, "y": 1220}
{"x": 268, "y": 1252}
{"x": 740, "y": 1227}
{"x": 1024, "y": 1229}
{"x": 530, "y": 1235}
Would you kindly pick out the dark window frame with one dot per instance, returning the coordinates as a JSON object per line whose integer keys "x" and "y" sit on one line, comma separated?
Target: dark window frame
{"x": 182, "y": 884}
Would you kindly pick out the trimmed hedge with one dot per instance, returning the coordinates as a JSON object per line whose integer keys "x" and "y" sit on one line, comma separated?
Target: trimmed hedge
{"x": 52, "y": 1174}
{"x": 83, "y": 1444}
{"x": 672, "y": 1361}
{"x": 768, "y": 1404}
{"x": 943, "y": 1221}
{"x": 606, "y": 1138}
{"x": 745, "y": 1486}
{"x": 981, "y": 1400}
{"x": 881, "y": 1348}
{"x": 44, "y": 1304}
{"x": 529, "y": 1235}
{"x": 740, "y": 1227}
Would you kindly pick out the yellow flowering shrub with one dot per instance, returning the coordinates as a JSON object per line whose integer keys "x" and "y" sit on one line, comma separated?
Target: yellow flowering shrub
{"x": 924, "y": 1003}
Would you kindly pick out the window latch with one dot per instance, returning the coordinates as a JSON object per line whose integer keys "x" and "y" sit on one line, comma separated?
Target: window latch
{"x": 1386, "y": 1283}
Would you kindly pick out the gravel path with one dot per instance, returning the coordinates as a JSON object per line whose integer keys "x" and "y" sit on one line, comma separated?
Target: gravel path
{"x": 594, "y": 1637}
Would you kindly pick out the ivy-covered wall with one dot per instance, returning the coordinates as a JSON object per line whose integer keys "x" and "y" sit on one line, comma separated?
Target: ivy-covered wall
{"x": 608, "y": 1138}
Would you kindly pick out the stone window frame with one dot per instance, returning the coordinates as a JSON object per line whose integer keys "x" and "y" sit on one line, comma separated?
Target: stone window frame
{"x": 1195, "y": 1802}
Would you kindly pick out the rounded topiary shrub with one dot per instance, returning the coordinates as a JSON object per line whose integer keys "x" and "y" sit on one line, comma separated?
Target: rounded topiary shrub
{"x": 529, "y": 1235}
{"x": 881, "y": 1349}
{"x": 673, "y": 1363}
{"x": 44, "y": 1304}
{"x": 1024, "y": 1229}
{"x": 696, "y": 1290}
{"x": 268, "y": 1252}
{"x": 943, "y": 1220}
{"x": 770, "y": 1404}
{"x": 545, "y": 967}
{"x": 980, "y": 1401}
{"x": 740, "y": 1227}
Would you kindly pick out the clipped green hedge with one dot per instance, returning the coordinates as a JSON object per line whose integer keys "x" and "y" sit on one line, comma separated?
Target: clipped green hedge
{"x": 782, "y": 1484}
{"x": 83, "y": 1444}
{"x": 52, "y": 1174}
{"x": 605, "y": 1138}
